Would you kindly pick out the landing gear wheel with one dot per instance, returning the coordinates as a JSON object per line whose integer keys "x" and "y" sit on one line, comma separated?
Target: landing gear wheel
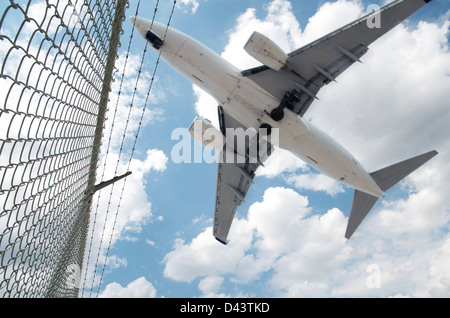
{"x": 265, "y": 129}
{"x": 277, "y": 114}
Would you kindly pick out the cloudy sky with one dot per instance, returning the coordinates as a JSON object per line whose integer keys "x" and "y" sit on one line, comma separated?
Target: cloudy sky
{"x": 287, "y": 240}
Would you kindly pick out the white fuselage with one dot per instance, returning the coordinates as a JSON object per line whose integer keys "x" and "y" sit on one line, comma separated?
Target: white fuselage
{"x": 249, "y": 104}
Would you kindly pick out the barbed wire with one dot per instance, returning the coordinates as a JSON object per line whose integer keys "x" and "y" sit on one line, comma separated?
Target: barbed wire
{"x": 121, "y": 148}
{"x": 137, "y": 133}
{"x": 95, "y": 214}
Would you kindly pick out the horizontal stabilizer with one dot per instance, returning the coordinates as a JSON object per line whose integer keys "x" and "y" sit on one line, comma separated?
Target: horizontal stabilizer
{"x": 385, "y": 178}
{"x": 388, "y": 177}
{"x": 361, "y": 206}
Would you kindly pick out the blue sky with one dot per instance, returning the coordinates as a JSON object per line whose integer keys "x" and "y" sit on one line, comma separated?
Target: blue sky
{"x": 288, "y": 238}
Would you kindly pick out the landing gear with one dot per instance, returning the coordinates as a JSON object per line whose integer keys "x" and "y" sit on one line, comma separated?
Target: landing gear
{"x": 277, "y": 114}
{"x": 265, "y": 148}
{"x": 265, "y": 129}
{"x": 155, "y": 40}
{"x": 289, "y": 101}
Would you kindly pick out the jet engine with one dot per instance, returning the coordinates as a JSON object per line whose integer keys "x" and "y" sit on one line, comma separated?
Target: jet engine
{"x": 209, "y": 136}
{"x": 266, "y": 51}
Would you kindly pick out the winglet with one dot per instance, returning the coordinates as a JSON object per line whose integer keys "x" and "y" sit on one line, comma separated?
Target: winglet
{"x": 385, "y": 178}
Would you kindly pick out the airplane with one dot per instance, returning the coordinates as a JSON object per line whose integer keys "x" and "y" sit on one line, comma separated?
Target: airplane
{"x": 273, "y": 98}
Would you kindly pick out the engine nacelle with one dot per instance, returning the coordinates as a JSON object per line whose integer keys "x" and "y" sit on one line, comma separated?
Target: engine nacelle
{"x": 266, "y": 51}
{"x": 239, "y": 145}
{"x": 209, "y": 136}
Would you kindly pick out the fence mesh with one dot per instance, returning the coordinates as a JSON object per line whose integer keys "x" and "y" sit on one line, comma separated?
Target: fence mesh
{"x": 54, "y": 57}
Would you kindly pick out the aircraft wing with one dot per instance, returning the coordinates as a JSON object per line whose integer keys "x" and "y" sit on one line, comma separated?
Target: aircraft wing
{"x": 322, "y": 61}
{"x": 234, "y": 177}
{"x": 233, "y": 182}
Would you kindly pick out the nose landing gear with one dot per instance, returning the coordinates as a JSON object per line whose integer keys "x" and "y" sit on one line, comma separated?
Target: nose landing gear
{"x": 155, "y": 40}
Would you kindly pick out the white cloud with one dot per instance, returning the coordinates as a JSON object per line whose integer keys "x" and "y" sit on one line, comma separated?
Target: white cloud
{"x": 127, "y": 115}
{"x": 42, "y": 14}
{"x": 330, "y": 17}
{"x": 124, "y": 212}
{"x": 316, "y": 182}
{"x": 277, "y": 230}
{"x": 439, "y": 272}
{"x": 279, "y": 162}
{"x": 210, "y": 286}
{"x": 186, "y": 4}
{"x": 392, "y": 107}
{"x": 211, "y": 258}
{"x": 118, "y": 215}
{"x": 129, "y": 111}
{"x": 206, "y": 106}
{"x": 306, "y": 254}
{"x": 140, "y": 288}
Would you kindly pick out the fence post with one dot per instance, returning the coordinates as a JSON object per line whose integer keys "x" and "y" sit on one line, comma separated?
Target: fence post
{"x": 59, "y": 283}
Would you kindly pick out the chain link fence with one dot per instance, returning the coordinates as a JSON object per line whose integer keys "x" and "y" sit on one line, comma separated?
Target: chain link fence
{"x": 56, "y": 65}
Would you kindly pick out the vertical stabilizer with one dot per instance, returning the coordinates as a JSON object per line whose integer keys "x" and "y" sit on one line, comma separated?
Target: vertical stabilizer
{"x": 385, "y": 178}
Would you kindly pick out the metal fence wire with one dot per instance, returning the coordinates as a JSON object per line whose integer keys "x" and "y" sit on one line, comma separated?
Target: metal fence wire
{"x": 57, "y": 59}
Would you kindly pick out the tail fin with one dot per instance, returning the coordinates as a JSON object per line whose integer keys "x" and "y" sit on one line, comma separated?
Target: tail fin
{"x": 385, "y": 178}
